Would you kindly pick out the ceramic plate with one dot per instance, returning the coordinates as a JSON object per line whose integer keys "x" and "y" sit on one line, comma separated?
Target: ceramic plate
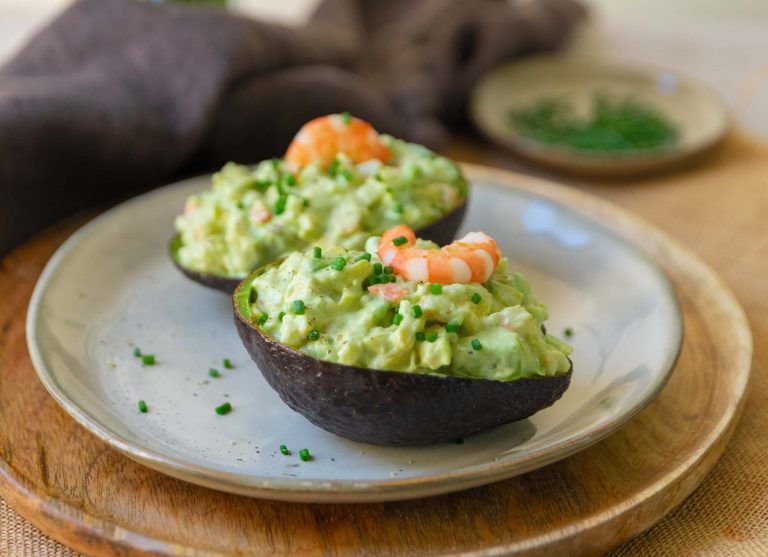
{"x": 698, "y": 113}
{"x": 111, "y": 287}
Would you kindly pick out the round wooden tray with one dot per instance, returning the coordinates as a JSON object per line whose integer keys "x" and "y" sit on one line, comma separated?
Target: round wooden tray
{"x": 84, "y": 494}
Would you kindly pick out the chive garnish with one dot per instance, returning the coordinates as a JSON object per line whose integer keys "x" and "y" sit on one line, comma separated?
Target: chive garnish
{"x": 397, "y": 318}
{"x": 452, "y": 327}
{"x": 366, "y": 256}
{"x": 391, "y": 278}
{"x": 339, "y": 263}
{"x": 313, "y": 335}
{"x": 284, "y": 450}
{"x": 213, "y": 372}
{"x": 298, "y": 307}
{"x": 304, "y": 455}
{"x": 476, "y": 344}
{"x": 148, "y": 359}
{"x": 317, "y": 252}
{"x": 227, "y": 363}
{"x": 225, "y": 408}
{"x": 281, "y": 315}
{"x": 263, "y": 319}
{"x": 388, "y": 270}
{"x": 240, "y": 205}
{"x": 377, "y": 268}
{"x": 420, "y": 335}
{"x": 253, "y": 295}
{"x": 333, "y": 169}
{"x": 347, "y": 175}
{"x": 431, "y": 336}
{"x": 436, "y": 288}
{"x": 400, "y": 240}
{"x": 280, "y": 205}
{"x": 416, "y": 311}
{"x": 305, "y": 202}
{"x": 137, "y": 352}
{"x": 290, "y": 179}
{"x": 346, "y": 117}
{"x": 143, "y": 407}
{"x": 476, "y": 298}
{"x": 568, "y": 332}
{"x": 398, "y": 208}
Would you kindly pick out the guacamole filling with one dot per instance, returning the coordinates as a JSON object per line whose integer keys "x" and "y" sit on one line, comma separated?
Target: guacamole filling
{"x": 253, "y": 215}
{"x": 322, "y": 302}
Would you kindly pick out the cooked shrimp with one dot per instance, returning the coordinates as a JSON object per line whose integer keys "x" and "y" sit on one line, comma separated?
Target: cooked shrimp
{"x": 472, "y": 258}
{"x": 388, "y": 291}
{"x": 321, "y": 139}
{"x": 259, "y": 213}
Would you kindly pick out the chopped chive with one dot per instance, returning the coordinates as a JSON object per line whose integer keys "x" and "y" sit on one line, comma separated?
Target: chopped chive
{"x": 398, "y": 208}
{"x": 431, "y": 336}
{"x": 281, "y": 315}
{"x": 148, "y": 359}
{"x": 262, "y": 185}
{"x": 298, "y": 307}
{"x": 397, "y": 318}
{"x": 290, "y": 179}
{"x": 400, "y": 240}
{"x": 339, "y": 263}
{"x": 143, "y": 407}
{"x": 305, "y": 202}
{"x": 225, "y": 408}
{"x": 568, "y": 332}
{"x": 334, "y": 168}
{"x": 476, "y": 298}
{"x": 284, "y": 450}
{"x": 304, "y": 455}
{"x": 420, "y": 335}
{"x": 476, "y": 344}
{"x": 416, "y": 311}
{"x": 276, "y": 164}
{"x": 436, "y": 288}
{"x": 377, "y": 268}
{"x": 452, "y": 327}
{"x": 263, "y": 319}
{"x": 391, "y": 278}
{"x": 388, "y": 270}
{"x": 253, "y": 295}
{"x": 317, "y": 252}
{"x": 240, "y": 205}
{"x": 346, "y": 117}
{"x": 347, "y": 174}
{"x": 213, "y": 372}
{"x": 137, "y": 352}
{"x": 366, "y": 256}
{"x": 373, "y": 279}
{"x": 280, "y": 205}
{"x": 227, "y": 363}
{"x": 313, "y": 335}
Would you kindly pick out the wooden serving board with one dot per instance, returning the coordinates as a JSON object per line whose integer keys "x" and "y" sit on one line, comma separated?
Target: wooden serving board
{"x": 93, "y": 499}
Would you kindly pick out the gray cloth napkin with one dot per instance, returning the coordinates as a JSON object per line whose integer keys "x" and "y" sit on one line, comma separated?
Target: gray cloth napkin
{"x": 116, "y": 96}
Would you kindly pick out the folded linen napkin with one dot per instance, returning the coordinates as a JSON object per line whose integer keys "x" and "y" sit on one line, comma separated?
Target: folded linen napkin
{"x": 116, "y": 96}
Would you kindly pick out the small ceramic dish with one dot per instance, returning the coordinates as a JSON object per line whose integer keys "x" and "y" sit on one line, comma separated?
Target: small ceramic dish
{"x": 111, "y": 288}
{"x": 697, "y": 112}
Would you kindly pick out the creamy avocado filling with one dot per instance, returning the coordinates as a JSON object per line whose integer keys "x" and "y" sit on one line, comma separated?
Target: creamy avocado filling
{"x": 322, "y": 303}
{"x": 253, "y": 215}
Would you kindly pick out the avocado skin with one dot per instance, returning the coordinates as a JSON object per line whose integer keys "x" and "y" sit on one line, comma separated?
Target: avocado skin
{"x": 442, "y": 232}
{"x": 393, "y": 408}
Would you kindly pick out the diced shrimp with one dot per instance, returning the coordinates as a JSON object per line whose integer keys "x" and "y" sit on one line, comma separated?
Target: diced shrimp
{"x": 321, "y": 139}
{"x": 259, "y": 213}
{"x": 472, "y": 258}
{"x": 191, "y": 206}
{"x": 388, "y": 291}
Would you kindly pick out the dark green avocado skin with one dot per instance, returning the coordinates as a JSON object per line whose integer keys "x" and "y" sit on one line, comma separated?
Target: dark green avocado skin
{"x": 393, "y": 408}
{"x": 442, "y": 232}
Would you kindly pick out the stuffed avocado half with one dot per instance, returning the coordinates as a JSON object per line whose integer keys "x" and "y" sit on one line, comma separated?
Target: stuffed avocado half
{"x": 403, "y": 343}
{"x": 339, "y": 183}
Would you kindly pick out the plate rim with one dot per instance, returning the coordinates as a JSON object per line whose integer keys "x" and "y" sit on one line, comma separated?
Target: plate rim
{"x": 363, "y": 491}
